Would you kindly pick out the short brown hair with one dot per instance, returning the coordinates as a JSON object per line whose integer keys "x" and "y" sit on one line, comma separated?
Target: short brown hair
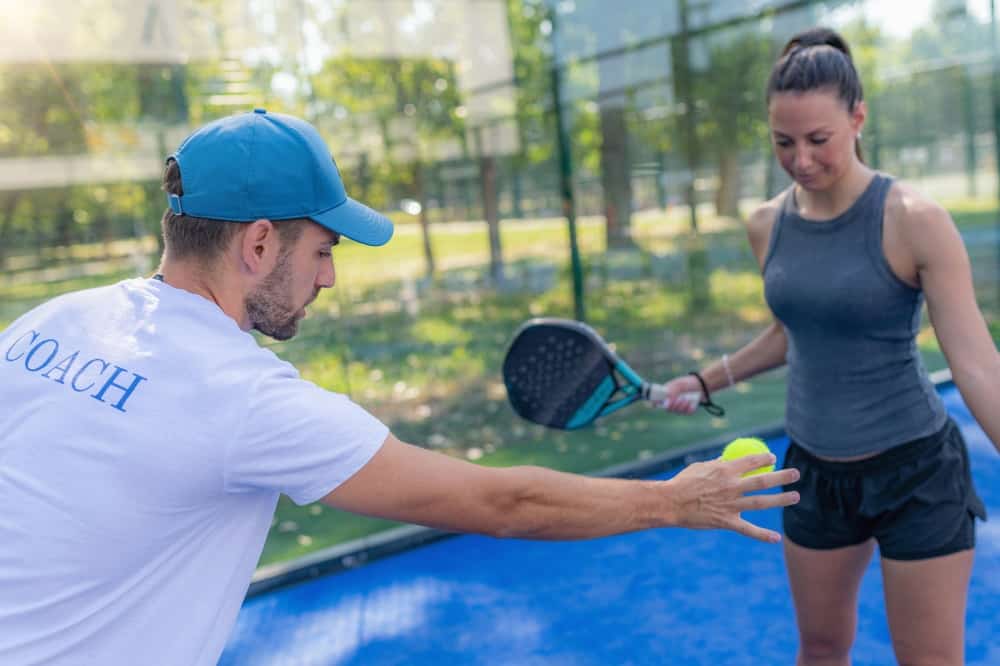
{"x": 189, "y": 237}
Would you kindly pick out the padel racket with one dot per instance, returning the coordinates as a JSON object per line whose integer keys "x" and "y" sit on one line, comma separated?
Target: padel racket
{"x": 560, "y": 373}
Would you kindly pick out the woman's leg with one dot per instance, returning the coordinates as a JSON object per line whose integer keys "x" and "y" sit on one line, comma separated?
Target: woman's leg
{"x": 925, "y": 601}
{"x": 825, "y": 591}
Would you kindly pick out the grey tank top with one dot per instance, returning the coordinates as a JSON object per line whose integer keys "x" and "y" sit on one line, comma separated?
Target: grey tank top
{"x": 856, "y": 381}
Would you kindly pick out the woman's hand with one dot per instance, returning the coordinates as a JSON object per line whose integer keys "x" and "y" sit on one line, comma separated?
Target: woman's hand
{"x": 683, "y": 395}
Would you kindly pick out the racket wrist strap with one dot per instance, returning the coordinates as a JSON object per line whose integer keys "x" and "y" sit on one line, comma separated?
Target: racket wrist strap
{"x": 711, "y": 407}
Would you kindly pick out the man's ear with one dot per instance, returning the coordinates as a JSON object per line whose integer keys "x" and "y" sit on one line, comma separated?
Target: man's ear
{"x": 259, "y": 246}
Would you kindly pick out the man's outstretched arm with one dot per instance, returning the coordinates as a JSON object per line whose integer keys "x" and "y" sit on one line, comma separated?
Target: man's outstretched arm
{"x": 410, "y": 484}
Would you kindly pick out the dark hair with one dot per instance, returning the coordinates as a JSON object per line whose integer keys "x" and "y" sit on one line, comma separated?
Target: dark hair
{"x": 189, "y": 237}
{"x": 816, "y": 59}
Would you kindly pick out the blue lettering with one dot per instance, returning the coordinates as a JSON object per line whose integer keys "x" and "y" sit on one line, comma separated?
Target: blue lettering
{"x": 38, "y": 356}
{"x": 83, "y": 370}
{"x": 34, "y": 350}
{"x": 63, "y": 365}
{"x": 120, "y": 405}
{"x": 34, "y": 336}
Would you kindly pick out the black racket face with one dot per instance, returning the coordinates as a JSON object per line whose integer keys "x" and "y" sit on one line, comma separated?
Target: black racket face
{"x": 552, "y": 369}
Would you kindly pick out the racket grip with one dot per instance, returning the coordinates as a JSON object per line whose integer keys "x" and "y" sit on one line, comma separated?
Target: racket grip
{"x": 658, "y": 396}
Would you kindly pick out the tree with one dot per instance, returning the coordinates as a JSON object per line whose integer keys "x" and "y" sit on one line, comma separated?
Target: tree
{"x": 41, "y": 115}
{"x": 532, "y": 67}
{"x": 730, "y": 99}
{"x": 409, "y": 103}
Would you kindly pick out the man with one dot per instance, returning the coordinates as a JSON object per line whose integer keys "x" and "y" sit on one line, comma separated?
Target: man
{"x": 145, "y": 436}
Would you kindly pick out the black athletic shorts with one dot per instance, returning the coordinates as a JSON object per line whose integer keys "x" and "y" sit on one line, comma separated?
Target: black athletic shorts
{"x": 917, "y": 499}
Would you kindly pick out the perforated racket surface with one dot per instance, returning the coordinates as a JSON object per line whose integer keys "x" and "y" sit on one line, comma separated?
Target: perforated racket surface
{"x": 561, "y": 374}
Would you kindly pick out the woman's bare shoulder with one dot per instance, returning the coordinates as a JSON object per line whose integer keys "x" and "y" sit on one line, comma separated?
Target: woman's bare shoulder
{"x": 760, "y": 222}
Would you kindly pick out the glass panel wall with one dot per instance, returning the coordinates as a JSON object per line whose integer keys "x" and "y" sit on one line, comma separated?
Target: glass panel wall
{"x": 486, "y": 128}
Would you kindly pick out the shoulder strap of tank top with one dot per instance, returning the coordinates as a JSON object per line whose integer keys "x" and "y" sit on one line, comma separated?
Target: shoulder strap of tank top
{"x": 882, "y": 190}
{"x": 876, "y": 208}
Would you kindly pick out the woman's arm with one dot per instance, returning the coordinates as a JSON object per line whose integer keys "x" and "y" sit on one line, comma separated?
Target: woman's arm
{"x": 765, "y": 352}
{"x": 945, "y": 276}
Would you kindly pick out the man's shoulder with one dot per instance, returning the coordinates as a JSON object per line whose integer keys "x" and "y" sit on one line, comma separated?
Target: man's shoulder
{"x": 72, "y": 303}
{"x": 96, "y": 295}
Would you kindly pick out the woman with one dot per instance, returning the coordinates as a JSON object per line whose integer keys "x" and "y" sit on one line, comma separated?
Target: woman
{"x": 848, "y": 256}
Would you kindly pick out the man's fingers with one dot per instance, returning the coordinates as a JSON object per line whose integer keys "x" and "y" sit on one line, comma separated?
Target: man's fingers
{"x": 769, "y": 479}
{"x": 755, "y": 461}
{"x": 747, "y": 528}
{"x": 758, "y": 502}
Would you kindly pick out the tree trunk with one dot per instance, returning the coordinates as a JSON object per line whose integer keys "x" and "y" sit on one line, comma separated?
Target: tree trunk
{"x": 64, "y": 224}
{"x": 699, "y": 275}
{"x": 517, "y": 211}
{"x": 616, "y": 176}
{"x": 491, "y": 211}
{"x": 7, "y": 223}
{"x": 727, "y": 197}
{"x": 364, "y": 178}
{"x": 661, "y": 185}
{"x": 425, "y": 223}
{"x": 178, "y": 78}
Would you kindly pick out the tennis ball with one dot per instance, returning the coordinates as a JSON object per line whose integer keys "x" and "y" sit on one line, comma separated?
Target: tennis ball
{"x": 746, "y": 446}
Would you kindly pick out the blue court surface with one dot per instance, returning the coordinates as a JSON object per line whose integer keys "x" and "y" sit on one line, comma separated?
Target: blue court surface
{"x": 657, "y": 597}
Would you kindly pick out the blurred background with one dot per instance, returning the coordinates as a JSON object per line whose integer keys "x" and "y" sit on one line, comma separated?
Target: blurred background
{"x": 572, "y": 158}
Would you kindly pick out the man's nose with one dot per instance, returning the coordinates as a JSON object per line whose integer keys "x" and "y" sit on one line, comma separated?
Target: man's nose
{"x": 327, "y": 276}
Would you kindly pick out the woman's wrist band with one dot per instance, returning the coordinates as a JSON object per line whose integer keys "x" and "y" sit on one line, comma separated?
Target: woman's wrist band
{"x": 706, "y": 402}
{"x": 729, "y": 373}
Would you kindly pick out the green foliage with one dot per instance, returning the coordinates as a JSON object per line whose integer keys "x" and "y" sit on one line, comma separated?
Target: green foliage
{"x": 731, "y": 92}
{"x": 533, "y": 74}
{"x": 42, "y": 114}
{"x": 409, "y": 103}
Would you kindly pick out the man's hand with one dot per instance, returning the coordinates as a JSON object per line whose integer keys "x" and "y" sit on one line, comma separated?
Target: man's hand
{"x": 713, "y": 494}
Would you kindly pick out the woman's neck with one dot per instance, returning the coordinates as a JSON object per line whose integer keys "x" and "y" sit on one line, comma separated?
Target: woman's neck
{"x": 833, "y": 201}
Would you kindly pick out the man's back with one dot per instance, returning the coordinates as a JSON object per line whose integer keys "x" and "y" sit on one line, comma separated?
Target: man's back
{"x": 135, "y": 507}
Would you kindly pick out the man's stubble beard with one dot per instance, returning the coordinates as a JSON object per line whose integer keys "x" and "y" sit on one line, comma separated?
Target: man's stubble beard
{"x": 269, "y": 306}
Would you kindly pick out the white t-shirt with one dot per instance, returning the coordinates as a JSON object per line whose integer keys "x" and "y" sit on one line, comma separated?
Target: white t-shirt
{"x": 144, "y": 441}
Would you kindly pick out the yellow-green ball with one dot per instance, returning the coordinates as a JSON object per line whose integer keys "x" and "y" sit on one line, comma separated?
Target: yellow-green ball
{"x": 747, "y": 446}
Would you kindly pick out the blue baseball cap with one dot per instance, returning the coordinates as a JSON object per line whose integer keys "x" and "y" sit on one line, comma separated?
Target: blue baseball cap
{"x": 269, "y": 165}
